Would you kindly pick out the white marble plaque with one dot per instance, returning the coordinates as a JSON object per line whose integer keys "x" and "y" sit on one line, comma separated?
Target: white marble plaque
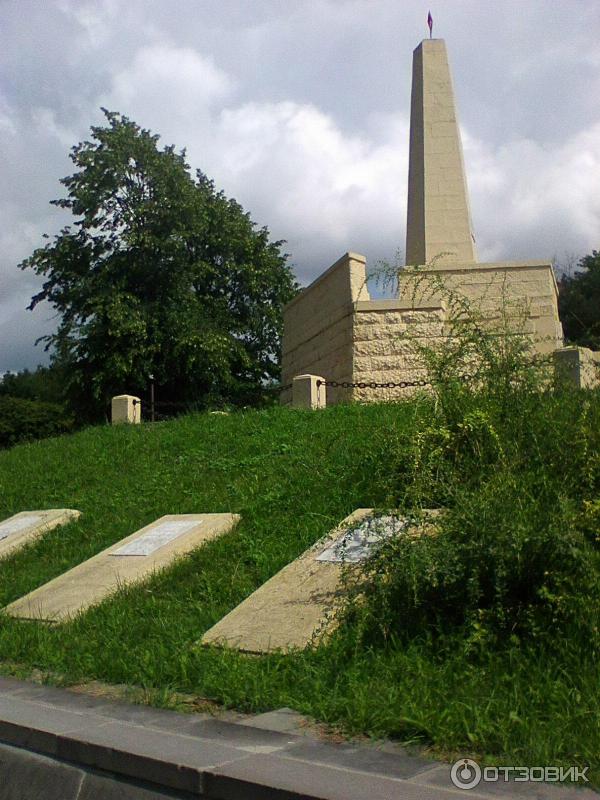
{"x": 157, "y": 537}
{"x": 19, "y": 524}
{"x": 359, "y": 543}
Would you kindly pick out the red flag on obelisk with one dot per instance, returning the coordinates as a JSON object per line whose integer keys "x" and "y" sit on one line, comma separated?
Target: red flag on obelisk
{"x": 430, "y": 23}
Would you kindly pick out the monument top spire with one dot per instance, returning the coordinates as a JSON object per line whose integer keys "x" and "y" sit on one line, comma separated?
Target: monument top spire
{"x": 438, "y": 215}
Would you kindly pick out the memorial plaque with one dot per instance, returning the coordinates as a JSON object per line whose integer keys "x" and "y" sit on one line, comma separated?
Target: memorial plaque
{"x": 156, "y": 538}
{"x": 359, "y": 543}
{"x": 131, "y": 560}
{"x": 16, "y": 524}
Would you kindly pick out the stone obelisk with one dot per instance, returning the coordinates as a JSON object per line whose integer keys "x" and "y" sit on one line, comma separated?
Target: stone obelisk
{"x": 438, "y": 218}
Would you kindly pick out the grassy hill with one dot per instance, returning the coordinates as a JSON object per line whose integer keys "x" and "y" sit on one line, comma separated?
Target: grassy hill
{"x": 517, "y": 699}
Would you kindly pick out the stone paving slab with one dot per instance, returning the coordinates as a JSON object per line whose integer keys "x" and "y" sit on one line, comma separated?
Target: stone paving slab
{"x": 82, "y": 748}
{"x": 27, "y": 526}
{"x": 130, "y": 560}
{"x": 356, "y": 757}
{"x": 133, "y": 751}
{"x": 283, "y": 720}
{"x": 299, "y": 780}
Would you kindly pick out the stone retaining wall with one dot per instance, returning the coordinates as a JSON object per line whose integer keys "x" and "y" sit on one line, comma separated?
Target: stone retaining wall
{"x": 318, "y": 324}
{"x": 386, "y": 336}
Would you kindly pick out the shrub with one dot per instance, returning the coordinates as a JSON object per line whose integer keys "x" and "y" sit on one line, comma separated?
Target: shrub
{"x": 24, "y": 420}
{"x": 517, "y": 470}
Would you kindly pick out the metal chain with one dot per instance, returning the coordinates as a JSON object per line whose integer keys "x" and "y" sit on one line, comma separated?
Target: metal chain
{"x": 339, "y": 385}
{"x": 372, "y": 384}
{"x": 375, "y": 385}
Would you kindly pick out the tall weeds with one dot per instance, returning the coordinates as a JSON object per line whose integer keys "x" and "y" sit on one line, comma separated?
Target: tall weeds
{"x": 514, "y": 461}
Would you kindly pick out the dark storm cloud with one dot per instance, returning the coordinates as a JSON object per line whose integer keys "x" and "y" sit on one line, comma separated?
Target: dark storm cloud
{"x": 300, "y": 111}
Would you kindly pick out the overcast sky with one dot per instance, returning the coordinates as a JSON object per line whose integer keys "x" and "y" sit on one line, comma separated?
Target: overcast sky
{"x": 299, "y": 109}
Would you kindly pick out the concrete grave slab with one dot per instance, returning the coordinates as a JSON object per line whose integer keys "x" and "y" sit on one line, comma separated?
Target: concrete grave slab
{"x": 26, "y": 526}
{"x": 128, "y": 561}
{"x": 298, "y": 605}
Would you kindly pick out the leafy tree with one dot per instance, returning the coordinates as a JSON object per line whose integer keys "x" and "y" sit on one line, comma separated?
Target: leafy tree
{"x": 579, "y": 303}
{"x": 160, "y": 275}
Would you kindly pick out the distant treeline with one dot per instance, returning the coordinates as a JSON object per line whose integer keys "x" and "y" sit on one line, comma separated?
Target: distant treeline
{"x": 579, "y": 302}
{"x": 32, "y": 406}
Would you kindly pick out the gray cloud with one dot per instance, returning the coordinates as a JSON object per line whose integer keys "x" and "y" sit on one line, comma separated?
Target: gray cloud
{"x": 300, "y": 111}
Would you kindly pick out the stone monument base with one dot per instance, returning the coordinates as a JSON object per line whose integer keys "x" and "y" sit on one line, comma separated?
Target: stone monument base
{"x": 335, "y": 329}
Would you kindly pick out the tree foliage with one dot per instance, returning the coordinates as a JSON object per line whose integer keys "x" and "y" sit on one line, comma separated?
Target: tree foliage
{"x": 579, "y": 303}
{"x": 23, "y": 420}
{"x": 45, "y": 384}
{"x": 159, "y": 275}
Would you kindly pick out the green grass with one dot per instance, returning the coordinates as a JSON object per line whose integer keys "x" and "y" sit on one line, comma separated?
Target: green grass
{"x": 292, "y": 476}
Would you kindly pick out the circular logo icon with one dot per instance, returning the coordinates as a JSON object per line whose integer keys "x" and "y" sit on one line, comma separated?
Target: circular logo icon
{"x": 465, "y": 773}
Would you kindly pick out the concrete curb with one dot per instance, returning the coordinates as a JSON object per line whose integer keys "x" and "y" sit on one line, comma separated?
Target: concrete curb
{"x": 61, "y": 745}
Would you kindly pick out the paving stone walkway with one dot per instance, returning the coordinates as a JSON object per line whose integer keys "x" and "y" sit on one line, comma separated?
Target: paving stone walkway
{"x": 57, "y": 744}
